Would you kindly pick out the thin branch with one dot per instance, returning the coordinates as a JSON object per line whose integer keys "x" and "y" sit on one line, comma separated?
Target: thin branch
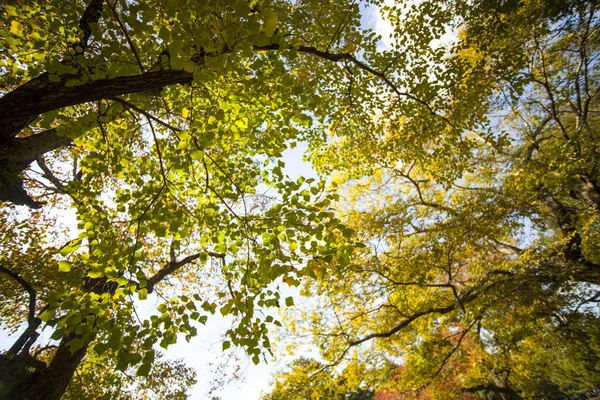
{"x": 504, "y": 248}
{"x": 466, "y": 297}
{"x": 38, "y": 351}
{"x": 422, "y": 201}
{"x": 50, "y": 176}
{"x": 337, "y": 57}
{"x": 158, "y": 152}
{"x": 29, "y": 335}
{"x": 447, "y": 358}
{"x": 145, "y": 113}
{"x": 343, "y": 23}
{"x": 127, "y": 37}
{"x": 28, "y": 288}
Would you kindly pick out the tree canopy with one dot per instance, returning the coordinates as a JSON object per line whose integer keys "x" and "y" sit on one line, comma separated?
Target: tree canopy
{"x": 452, "y": 245}
{"x": 480, "y": 274}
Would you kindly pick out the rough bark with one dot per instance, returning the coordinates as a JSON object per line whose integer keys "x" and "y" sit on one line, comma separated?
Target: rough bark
{"x": 23, "y": 151}
{"x": 40, "y": 95}
{"x": 21, "y": 106}
{"x": 49, "y": 383}
{"x": 91, "y": 15}
{"x": 15, "y": 155}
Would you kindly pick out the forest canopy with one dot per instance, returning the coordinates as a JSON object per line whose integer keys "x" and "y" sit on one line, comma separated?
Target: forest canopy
{"x": 449, "y": 249}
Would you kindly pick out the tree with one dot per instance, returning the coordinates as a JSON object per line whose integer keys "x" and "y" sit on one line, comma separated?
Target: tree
{"x": 482, "y": 268}
{"x": 98, "y": 377}
{"x": 161, "y": 123}
{"x": 300, "y": 383}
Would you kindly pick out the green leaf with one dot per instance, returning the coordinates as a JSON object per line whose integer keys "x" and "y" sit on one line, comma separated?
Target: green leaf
{"x": 64, "y": 266}
{"x": 226, "y": 345}
{"x": 47, "y": 315}
{"x": 289, "y": 301}
{"x": 270, "y": 22}
{"x": 100, "y": 348}
{"x": 144, "y": 370}
{"x": 197, "y": 155}
{"x": 75, "y": 345}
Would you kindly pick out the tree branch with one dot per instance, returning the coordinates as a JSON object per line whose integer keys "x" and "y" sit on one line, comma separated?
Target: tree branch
{"x": 127, "y": 37}
{"x": 173, "y": 266}
{"x": 29, "y": 102}
{"x": 504, "y": 248}
{"x": 466, "y": 297}
{"x": 32, "y": 321}
{"x": 127, "y": 104}
{"x": 337, "y": 57}
{"x": 91, "y": 15}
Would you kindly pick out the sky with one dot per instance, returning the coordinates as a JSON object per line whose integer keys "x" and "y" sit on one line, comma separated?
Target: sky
{"x": 203, "y": 353}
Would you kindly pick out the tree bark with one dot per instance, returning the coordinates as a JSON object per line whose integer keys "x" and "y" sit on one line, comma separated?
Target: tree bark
{"x": 47, "y": 383}
{"x": 23, "y": 151}
{"x": 39, "y": 95}
{"x": 15, "y": 155}
{"x": 565, "y": 218}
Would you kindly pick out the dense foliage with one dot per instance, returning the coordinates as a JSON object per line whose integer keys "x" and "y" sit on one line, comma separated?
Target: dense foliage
{"x": 482, "y": 271}
{"x": 453, "y": 250}
{"x": 169, "y": 119}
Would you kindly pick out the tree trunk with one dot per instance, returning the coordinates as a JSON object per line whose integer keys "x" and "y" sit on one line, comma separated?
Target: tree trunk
{"x": 47, "y": 383}
{"x": 15, "y": 155}
{"x": 21, "y": 106}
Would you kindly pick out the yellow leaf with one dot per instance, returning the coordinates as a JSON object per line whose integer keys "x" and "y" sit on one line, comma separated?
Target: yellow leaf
{"x": 64, "y": 266}
{"x": 15, "y": 28}
{"x": 185, "y": 112}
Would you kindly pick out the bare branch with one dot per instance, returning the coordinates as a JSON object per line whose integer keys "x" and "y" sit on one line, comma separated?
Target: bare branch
{"x": 504, "y": 248}
{"x": 127, "y": 104}
{"x": 50, "y": 176}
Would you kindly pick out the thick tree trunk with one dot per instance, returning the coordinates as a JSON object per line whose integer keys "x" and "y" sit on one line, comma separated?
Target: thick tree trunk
{"x": 21, "y": 106}
{"x": 12, "y": 126}
{"x": 15, "y": 155}
{"x": 47, "y": 383}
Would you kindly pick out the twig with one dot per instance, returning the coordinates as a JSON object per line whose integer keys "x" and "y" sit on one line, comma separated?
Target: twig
{"x": 129, "y": 41}
{"x": 145, "y": 113}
